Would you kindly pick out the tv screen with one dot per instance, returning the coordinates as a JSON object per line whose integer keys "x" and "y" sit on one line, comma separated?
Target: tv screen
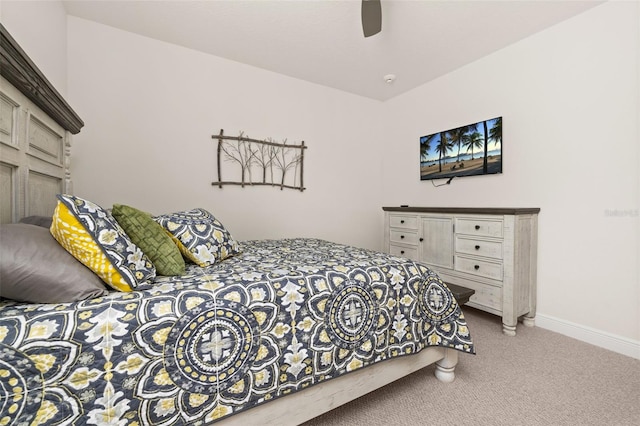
{"x": 471, "y": 150}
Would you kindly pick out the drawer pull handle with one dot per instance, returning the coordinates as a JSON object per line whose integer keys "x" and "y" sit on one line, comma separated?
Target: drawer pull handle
{"x": 401, "y": 251}
{"x": 402, "y": 221}
{"x": 477, "y": 227}
{"x": 401, "y": 236}
{"x": 476, "y": 267}
{"x": 477, "y": 247}
{"x": 421, "y": 239}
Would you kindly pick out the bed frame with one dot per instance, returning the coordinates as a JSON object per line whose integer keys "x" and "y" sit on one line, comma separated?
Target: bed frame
{"x": 326, "y": 396}
{"x": 36, "y": 125}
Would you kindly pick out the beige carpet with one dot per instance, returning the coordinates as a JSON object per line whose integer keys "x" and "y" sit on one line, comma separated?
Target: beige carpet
{"x": 537, "y": 377}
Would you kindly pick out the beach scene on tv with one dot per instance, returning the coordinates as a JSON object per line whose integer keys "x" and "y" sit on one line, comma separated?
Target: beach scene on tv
{"x": 474, "y": 149}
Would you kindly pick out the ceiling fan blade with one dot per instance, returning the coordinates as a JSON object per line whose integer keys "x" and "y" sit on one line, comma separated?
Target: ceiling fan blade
{"x": 371, "y": 17}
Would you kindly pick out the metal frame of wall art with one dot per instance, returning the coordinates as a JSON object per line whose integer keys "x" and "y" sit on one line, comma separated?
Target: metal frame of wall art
{"x": 260, "y": 162}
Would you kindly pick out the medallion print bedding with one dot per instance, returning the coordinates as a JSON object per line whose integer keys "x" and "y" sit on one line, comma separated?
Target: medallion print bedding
{"x": 280, "y": 316}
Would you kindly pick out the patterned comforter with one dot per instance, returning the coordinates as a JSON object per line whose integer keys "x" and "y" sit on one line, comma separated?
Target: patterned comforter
{"x": 280, "y": 317}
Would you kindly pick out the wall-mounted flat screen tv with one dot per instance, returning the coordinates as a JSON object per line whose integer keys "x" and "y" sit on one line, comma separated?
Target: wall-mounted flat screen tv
{"x": 471, "y": 150}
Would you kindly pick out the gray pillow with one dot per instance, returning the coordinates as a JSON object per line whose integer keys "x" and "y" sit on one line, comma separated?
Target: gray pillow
{"x": 35, "y": 268}
{"x": 38, "y": 220}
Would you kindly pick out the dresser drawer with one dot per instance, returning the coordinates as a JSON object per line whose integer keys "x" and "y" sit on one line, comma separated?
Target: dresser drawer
{"x": 401, "y": 251}
{"x": 492, "y": 249}
{"x": 479, "y": 227}
{"x": 402, "y": 221}
{"x": 405, "y": 237}
{"x": 481, "y": 268}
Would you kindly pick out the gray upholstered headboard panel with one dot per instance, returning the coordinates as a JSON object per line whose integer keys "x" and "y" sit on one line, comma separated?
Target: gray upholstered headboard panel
{"x": 36, "y": 125}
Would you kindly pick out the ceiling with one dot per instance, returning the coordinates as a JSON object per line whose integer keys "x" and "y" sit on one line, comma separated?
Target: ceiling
{"x": 322, "y": 41}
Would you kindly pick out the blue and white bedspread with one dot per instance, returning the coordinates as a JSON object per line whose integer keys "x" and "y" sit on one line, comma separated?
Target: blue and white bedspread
{"x": 280, "y": 317}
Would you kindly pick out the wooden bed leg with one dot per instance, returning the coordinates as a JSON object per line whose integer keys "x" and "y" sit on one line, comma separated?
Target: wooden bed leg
{"x": 446, "y": 366}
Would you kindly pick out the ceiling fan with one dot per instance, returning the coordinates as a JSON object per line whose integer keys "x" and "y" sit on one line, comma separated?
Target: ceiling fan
{"x": 371, "y": 17}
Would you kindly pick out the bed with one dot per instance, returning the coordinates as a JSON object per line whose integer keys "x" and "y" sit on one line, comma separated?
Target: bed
{"x": 224, "y": 332}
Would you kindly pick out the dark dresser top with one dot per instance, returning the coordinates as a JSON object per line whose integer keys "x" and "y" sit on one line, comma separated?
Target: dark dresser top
{"x": 469, "y": 210}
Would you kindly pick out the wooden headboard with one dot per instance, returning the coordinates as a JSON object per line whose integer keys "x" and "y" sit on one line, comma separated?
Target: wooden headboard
{"x": 36, "y": 125}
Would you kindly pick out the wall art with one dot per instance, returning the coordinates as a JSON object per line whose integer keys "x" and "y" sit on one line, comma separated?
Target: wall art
{"x": 253, "y": 162}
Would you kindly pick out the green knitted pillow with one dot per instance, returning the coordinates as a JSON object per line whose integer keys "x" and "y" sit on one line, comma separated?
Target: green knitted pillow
{"x": 152, "y": 239}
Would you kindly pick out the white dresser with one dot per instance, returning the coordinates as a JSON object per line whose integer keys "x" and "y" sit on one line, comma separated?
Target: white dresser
{"x": 490, "y": 250}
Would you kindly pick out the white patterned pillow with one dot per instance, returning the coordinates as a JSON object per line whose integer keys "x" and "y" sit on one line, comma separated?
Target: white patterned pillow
{"x": 200, "y": 237}
{"x": 94, "y": 237}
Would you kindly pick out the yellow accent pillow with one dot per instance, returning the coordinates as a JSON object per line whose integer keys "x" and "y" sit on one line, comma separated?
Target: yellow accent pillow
{"x": 96, "y": 240}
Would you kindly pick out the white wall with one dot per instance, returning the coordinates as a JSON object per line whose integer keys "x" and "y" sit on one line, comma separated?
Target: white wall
{"x": 40, "y": 28}
{"x": 150, "y": 109}
{"x": 569, "y": 101}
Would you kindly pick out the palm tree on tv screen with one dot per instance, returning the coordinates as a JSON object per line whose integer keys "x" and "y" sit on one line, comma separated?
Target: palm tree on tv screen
{"x": 486, "y": 145}
{"x": 442, "y": 148}
{"x": 495, "y": 133}
{"x": 456, "y": 136}
{"x": 471, "y": 141}
{"x": 460, "y": 135}
{"x": 425, "y": 145}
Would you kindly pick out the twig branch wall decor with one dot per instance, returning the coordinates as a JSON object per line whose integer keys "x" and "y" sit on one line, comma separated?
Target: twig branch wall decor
{"x": 257, "y": 162}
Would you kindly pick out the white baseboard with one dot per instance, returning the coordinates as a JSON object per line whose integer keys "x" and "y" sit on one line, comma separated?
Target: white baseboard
{"x": 622, "y": 345}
